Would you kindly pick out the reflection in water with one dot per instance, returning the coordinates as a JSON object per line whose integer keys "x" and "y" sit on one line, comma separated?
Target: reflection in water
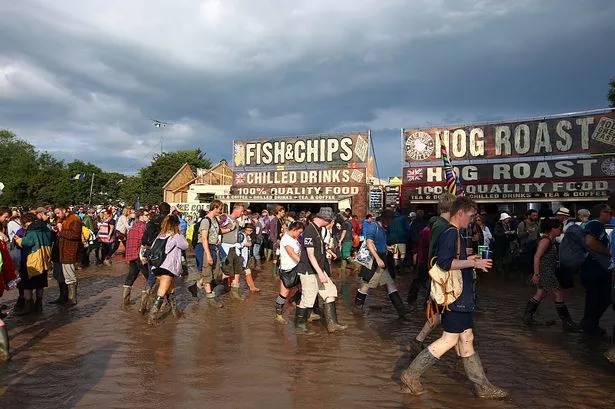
{"x": 237, "y": 357}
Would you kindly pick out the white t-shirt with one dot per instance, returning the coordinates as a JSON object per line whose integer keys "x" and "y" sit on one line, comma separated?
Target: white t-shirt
{"x": 286, "y": 262}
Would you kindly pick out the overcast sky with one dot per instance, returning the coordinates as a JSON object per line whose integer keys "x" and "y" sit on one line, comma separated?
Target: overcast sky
{"x": 81, "y": 79}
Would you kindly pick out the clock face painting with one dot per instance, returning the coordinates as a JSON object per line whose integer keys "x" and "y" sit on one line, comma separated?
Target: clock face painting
{"x": 419, "y": 146}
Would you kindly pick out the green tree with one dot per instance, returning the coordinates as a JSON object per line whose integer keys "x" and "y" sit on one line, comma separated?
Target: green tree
{"x": 163, "y": 167}
{"x": 19, "y": 164}
{"x": 612, "y": 93}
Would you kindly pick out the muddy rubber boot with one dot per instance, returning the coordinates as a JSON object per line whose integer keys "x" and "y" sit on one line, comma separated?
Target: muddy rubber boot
{"x": 62, "y": 297}
{"x": 19, "y": 305}
{"x": 274, "y": 270}
{"x": 211, "y": 300}
{"x": 126, "y": 296}
{"x": 398, "y": 304}
{"x": 482, "y": 386}
{"x": 416, "y": 346}
{"x": 610, "y": 355}
{"x": 343, "y": 268}
{"x": 312, "y": 316}
{"x": 236, "y": 293}
{"x": 251, "y": 285}
{"x": 145, "y": 297}
{"x": 410, "y": 377}
{"x": 152, "y": 319}
{"x": 173, "y": 304}
{"x": 279, "y": 310}
{"x": 301, "y": 322}
{"x": 359, "y": 302}
{"x": 567, "y": 324}
{"x": 530, "y": 310}
{"x": 331, "y": 318}
{"x": 72, "y": 295}
{"x": 5, "y": 351}
{"x": 28, "y": 308}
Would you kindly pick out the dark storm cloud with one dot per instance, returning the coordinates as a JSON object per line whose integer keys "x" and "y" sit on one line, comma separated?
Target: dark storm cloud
{"x": 82, "y": 79}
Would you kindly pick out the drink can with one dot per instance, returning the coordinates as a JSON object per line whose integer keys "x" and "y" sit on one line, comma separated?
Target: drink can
{"x": 488, "y": 254}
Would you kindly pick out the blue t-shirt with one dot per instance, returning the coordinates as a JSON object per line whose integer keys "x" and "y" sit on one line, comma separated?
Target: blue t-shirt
{"x": 376, "y": 233}
{"x": 365, "y": 226}
{"x": 446, "y": 251}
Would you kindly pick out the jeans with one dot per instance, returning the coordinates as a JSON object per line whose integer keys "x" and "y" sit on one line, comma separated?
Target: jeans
{"x": 151, "y": 278}
{"x": 134, "y": 267}
{"x": 597, "y": 283}
{"x": 256, "y": 251}
{"x": 199, "y": 253}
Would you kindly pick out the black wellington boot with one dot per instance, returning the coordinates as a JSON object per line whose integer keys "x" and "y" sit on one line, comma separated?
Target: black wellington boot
{"x": 331, "y": 318}
{"x": 359, "y": 302}
{"x": 28, "y": 308}
{"x": 126, "y": 296}
{"x": 153, "y": 313}
{"x": 530, "y": 310}
{"x": 567, "y": 324}
{"x": 398, "y": 304}
{"x": 301, "y": 322}
{"x": 63, "y": 297}
{"x": 5, "y": 351}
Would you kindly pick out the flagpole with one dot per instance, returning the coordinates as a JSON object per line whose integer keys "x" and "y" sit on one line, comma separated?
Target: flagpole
{"x": 91, "y": 189}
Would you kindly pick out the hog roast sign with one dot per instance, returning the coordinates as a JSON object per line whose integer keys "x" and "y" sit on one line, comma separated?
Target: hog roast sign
{"x": 335, "y": 150}
{"x": 307, "y": 185}
{"x": 574, "y": 179}
{"x": 562, "y": 135}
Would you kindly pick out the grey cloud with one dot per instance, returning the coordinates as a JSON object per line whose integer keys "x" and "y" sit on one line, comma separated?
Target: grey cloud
{"x": 282, "y": 68}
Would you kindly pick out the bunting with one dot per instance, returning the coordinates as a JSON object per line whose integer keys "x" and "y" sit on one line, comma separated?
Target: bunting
{"x": 78, "y": 176}
{"x": 453, "y": 183}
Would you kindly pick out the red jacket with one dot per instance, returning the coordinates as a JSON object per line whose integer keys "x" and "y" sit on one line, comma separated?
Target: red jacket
{"x": 133, "y": 240}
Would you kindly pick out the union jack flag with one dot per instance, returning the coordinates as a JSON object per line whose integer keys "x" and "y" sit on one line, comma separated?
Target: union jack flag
{"x": 240, "y": 178}
{"x": 415, "y": 175}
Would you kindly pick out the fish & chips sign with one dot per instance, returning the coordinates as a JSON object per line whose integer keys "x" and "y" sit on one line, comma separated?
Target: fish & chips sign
{"x": 334, "y": 150}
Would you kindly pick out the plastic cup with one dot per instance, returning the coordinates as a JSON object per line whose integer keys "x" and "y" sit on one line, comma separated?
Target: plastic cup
{"x": 488, "y": 255}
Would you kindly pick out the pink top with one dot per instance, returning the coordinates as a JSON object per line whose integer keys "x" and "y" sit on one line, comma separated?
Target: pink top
{"x": 173, "y": 260}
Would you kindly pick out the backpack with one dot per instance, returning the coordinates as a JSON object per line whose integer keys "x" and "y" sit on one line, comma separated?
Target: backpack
{"x": 195, "y": 233}
{"x": 87, "y": 236}
{"x": 572, "y": 251}
{"x": 446, "y": 286}
{"x": 157, "y": 254}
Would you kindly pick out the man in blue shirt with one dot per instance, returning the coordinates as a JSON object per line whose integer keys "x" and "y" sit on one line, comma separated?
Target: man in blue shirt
{"x": 595, "y": 274}
{"x": 369, "y": 219}
{"x": 377, "y": 275}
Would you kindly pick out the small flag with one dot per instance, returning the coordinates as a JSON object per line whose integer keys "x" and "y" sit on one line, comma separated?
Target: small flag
{"x": 453, "y": 183}
{"x": 78, "y": 176}
{"x": 119, "y": 181}
{"x": 281, "y": 167}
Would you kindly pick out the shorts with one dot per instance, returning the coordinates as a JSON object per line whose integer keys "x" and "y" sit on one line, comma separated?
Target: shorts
{"x": 311, "y": 287}
{"x": 399, "y": 250}
{"x": 346, "y": 249}
{"x": 159, "y": 271}
{"x": 456, "y": 322}
{"x": 233, "y": 265}
{"x": 380, "y": 277}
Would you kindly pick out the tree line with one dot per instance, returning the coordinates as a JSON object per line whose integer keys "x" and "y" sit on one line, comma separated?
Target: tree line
{"x": 34, "y": 178}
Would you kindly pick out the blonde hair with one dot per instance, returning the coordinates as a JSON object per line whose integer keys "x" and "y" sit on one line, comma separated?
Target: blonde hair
{"x": 445, "y": 202}
{"x": 170, "y": 224}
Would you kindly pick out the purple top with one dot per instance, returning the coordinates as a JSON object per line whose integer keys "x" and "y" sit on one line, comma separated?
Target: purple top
{"x": 173, "y": 260}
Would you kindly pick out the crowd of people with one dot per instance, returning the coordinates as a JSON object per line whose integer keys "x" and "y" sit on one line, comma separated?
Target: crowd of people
{"x": 303, "y": 250}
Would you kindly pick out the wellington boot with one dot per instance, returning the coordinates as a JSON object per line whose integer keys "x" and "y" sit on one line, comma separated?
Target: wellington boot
{"x": 530, "y": 310}
{"x": 152, "y": 319}
{"x": 38, "y": 305}
{"x": 280, "y": 319}
{"x": 72, "y": 295}
{"x": 19, "y": 305}
{"x": 145, "y": 298}
{"x": 274, "y": 270}
{"x": 251, "y": 285}
{"x": 63, "y": 297}
{"x": 211, "y": 300}
{"x": 193, "y": 290}
{"x": 28, "y": 308}
{"x": 5, "y": 351}
{"x": 301, "y": 322}
{"x": 416, "y": 346}
{"x": 359, "y": 302}
{"x": 236, "y": 293}
{"x": 175, "y": 311}
{"x": 312, "y": 316}
{"x": 568, "y": 325}
{"x": 343, "y": 269}
{"x": 398, "y": 304}
{"x": 125, "y": 296}
{"x": 411, "y": 376}
{"x": 476, "y": 374}
{"x": 330, "y": 314}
